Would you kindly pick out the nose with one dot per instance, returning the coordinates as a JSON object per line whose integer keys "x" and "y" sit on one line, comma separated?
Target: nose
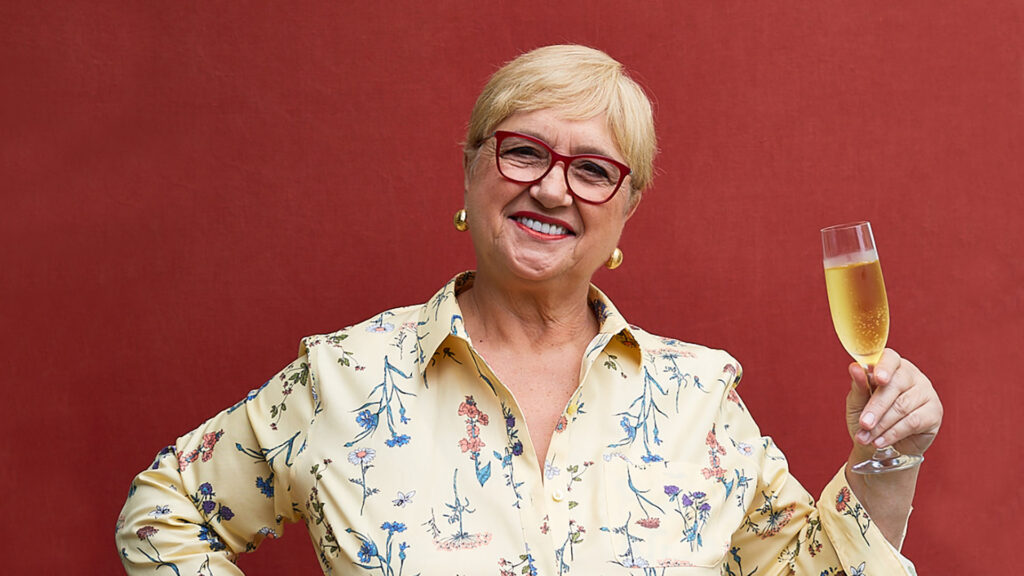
{"x": 552, "y": 191}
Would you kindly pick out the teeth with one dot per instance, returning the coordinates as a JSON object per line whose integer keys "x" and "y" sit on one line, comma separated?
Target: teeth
{"x": 542, "y": 227}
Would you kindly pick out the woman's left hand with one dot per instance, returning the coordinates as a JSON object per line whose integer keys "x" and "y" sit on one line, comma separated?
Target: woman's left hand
{"x": 904, "y": 411}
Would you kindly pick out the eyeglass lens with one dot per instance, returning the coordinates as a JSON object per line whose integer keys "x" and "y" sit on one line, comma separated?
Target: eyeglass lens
{"x": 593, "y": 178}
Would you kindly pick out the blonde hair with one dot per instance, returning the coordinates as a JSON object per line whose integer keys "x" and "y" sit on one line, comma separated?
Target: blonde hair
{"x": 580, "y": 82}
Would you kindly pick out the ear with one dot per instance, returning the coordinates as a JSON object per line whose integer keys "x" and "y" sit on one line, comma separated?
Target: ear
{"x": 634, "y": 203}
{"x": 469, "y": 158}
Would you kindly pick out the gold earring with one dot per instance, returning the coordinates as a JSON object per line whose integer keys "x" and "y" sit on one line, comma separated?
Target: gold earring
{"x": 460, "y": 221}
{"x": 615, "y": 260}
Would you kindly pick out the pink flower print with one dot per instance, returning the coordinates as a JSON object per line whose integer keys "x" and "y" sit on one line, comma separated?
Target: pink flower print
{"x": 185, "y": 459}
{"x": 842, "y": 499}
{"x": 562, "y": 423}
{"x": 734, "y": 396}
{"x": 674, "y": 563}
{"x": 146, "y": 532}
{"x": 716, "y": 472}
{"x": 468, "y": 408}
{"x": 209, "y": 442}
{"x": 651, "y": 523}
{"x": 204, "y": 452}
{"x": 712, "y": 442}
{"x": 471, "y": 444}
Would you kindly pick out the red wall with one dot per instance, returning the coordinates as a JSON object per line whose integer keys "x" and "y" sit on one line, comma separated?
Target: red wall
{"x": 189, "y": 189}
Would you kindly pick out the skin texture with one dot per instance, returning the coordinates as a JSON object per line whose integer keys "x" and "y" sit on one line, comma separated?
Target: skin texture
{"x": 905, "y": 412}
{"x": 529, "y": 301}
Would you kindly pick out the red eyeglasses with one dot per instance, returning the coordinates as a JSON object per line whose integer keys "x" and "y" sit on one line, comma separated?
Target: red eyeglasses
{"x": 523, "y": 159}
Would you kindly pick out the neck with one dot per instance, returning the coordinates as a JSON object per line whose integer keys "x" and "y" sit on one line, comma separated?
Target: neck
{"x": 530, "y": 315}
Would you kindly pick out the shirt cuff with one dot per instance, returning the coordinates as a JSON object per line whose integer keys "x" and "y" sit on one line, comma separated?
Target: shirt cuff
{"x": 858, "y": 542}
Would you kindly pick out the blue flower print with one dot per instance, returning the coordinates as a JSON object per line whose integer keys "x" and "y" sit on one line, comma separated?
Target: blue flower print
{"x": 367, "y": 551}
{"x": 266, "y": 486}
{"x": 397, "y": 440}
{"x": 206, "y": 534}
{"x": 513, "y": 448}
{"x": 367, "y": 419}
{"x": 376, "y": 559}
{"x": 384, "y": 401}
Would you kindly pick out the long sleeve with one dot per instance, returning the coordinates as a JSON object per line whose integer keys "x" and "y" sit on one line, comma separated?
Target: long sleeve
{"x": 224, "y": 487}
{"x": 786, "y": 532}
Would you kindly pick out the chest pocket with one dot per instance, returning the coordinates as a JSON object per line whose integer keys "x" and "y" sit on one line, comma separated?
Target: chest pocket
{"x": 664, "y": 517}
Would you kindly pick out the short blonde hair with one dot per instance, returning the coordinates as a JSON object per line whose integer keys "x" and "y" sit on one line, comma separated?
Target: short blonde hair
{"x": 580, "y": 82}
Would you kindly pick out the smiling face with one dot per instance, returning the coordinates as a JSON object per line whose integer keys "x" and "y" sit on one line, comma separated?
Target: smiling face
{"x": 540, "y": 232}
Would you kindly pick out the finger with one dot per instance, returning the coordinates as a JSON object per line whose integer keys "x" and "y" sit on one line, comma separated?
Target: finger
{"x": 860, "y": 390}
{"x": 892, "y": 376}
{"x": 903, "y": 417}
{"x": 856, "y": 400}
{"x": 918, "y": 428}
{"x": 916, "y": 394}
{"x": 886, "y": 367}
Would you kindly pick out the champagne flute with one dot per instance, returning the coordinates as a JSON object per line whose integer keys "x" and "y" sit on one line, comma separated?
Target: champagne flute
{"x": 860, "y": 314}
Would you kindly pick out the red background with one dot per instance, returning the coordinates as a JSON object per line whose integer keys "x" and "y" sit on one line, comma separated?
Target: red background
{"x": 188, "y": 189}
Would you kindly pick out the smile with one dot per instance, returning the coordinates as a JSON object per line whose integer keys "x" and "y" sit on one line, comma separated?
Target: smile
{"x": 542, "y": 227}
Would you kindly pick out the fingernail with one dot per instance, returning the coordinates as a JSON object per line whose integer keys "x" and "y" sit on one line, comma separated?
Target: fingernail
{"x": 882, "y": 375}
{"x": 863, "y": 436}
{"x": 880, "y": 442}
{"x": 868, "y": 419}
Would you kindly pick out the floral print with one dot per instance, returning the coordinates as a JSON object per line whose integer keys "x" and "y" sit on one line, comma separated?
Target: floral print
{"x": 513, "y": 450}
{"x": 383, "y": 559}
{"x": 472, "y": 443}
{"x": 204, "y": 451}
{"x": 846, "y": 505}
{"x": 694, "y": 509}
{"x": 384, "y": 437}
{"x": 362, "y": 458}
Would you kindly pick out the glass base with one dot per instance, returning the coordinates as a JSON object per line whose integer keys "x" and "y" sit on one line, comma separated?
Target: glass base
{"x": 887, "y": 459}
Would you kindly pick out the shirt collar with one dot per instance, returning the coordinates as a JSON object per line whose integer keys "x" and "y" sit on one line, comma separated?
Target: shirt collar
{"x": 441, "y": 317}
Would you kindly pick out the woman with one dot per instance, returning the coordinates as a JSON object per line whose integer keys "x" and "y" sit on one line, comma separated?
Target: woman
{"x": 515, "y": 423}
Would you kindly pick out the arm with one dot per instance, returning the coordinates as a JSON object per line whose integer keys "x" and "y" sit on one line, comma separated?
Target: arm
{"x": 783, "y": 530}
{"x": 224, "y": 487}
{"x": 904, "y": 412}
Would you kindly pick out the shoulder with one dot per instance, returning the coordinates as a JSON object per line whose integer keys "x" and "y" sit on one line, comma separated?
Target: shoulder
{"x": 659, "y": 349}
{"x": 368, "y": 332}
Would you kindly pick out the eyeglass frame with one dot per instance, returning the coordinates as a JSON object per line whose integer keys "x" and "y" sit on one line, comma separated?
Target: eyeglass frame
{"x": 565, "y": 159}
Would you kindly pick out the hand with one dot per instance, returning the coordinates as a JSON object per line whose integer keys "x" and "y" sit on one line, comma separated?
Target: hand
{"x": 904, "y": 411}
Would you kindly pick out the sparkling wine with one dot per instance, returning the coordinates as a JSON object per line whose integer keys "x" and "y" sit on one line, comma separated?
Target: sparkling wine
{"x": 860, "y": 311}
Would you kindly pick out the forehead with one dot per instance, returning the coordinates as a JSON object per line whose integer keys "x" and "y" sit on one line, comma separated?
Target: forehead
{"x": 564, "y": 133}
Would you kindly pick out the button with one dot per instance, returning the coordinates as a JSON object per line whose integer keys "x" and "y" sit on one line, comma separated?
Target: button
{"x": 557, "y": 495}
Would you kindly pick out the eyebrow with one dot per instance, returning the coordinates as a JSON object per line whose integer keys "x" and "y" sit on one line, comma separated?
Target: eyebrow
{"x": 593, "y": 150}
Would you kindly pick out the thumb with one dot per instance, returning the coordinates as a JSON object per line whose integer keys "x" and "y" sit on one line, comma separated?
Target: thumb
{"x": 858, "y": 397}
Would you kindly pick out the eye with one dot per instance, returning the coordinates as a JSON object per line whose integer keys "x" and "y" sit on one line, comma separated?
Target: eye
{"x": 522, "y": 152}
{"x": 593, "y": 170}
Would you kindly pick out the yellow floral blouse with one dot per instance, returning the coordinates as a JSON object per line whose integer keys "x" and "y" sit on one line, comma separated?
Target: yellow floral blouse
{"x": 404, "y": 454}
